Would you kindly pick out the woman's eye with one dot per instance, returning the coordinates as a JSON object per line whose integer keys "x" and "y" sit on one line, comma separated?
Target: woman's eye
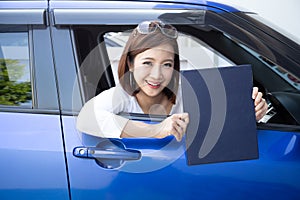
{"x": 148, "y": 64}
{"x": 168, "y": 65}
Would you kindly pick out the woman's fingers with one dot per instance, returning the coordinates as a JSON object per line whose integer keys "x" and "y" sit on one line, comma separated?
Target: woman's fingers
{"x": 261, "y": 109}
{"x": 180, "y": 122}
{"x": 260, "y": 104}
{"x": 175, "y": 125}
{"x": 254, "y": 92}
{"x": 178, "y": 131}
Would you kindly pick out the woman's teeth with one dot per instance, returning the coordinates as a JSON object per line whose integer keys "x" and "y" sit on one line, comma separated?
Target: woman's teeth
{"x": 153, "y": 84}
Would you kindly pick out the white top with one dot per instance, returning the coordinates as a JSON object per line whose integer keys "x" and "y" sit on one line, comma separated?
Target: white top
{"x": 99, "y": 117}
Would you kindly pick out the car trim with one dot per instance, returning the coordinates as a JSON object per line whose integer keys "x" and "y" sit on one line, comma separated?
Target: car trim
{"x": 278, "y": 127}
{"x": 128, "y": 16}
{"x": 22, "y": 16}
{"x": 28, "y": 110}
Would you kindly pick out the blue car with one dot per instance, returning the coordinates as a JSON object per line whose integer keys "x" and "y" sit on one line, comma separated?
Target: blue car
{"x": 56, "y": 55}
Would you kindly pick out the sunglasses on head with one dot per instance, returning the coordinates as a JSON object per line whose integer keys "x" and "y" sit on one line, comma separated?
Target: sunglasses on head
{"x": 148, "y": 27}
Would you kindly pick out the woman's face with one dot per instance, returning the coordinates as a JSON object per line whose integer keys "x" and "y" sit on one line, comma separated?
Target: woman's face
{"x": 153, "y": 69}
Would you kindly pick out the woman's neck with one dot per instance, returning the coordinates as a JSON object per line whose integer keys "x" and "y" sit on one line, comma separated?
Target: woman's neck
{"x": 159, "y": 105}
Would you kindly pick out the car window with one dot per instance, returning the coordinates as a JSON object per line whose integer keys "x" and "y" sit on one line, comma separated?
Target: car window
{"x": 15, "y": 84}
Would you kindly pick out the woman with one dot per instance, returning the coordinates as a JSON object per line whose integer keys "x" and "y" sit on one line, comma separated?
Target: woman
{"x": 149, "y": 76}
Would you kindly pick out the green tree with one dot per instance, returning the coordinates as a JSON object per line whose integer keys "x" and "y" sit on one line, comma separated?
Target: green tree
{"x": 13, "y": 92}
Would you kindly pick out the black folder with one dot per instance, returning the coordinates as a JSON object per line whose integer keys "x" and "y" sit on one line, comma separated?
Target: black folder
{"x": 222, "y": 118}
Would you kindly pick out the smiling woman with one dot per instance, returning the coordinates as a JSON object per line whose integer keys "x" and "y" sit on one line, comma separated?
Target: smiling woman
{"x": 148, "y": 83}
{"x": 149, "y": 75}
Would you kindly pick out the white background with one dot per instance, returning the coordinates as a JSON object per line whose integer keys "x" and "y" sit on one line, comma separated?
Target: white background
{"x": 284, "y": 14}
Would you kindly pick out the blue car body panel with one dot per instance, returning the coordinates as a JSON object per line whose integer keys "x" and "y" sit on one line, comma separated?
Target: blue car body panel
{"x": 32, "y": 157}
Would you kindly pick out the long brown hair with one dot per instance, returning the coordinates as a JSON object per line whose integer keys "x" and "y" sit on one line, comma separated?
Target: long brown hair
{"x": 138, "y": 43}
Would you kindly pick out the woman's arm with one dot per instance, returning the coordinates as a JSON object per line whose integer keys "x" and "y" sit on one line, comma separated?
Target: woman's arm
{"x": 98, "y": 116}
{"x": 175, "y": 125}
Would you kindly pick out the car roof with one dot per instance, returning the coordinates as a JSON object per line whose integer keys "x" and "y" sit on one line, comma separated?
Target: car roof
{"x": 178, "y": 4}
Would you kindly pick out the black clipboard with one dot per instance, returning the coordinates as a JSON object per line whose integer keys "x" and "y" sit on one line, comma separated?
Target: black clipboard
{"x": 222, "y": 124}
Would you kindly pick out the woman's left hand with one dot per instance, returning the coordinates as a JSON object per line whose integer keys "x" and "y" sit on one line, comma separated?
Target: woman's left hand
{"x": 260, "y": 104}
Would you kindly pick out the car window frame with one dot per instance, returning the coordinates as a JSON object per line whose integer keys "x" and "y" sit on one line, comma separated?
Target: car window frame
{"x": 42, "y": 74}
{"x": 11, "y": 29}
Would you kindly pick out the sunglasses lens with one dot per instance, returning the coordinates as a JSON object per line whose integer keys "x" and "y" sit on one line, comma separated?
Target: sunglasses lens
{"x": 169, "y": 31}
{"x": 150, "y": 27}
{"x": 147, "y": 27}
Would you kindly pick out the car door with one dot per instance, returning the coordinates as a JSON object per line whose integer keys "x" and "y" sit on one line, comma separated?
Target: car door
{"x": 105, "y": 168}
{"x": 31, "y": 150}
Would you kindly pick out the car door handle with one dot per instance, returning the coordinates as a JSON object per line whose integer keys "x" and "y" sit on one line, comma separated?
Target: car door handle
{"x": 99, "y": 153}
{"x": 108, "y": 153}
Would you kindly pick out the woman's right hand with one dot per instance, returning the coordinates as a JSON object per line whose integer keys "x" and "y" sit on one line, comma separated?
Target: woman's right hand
{"x": 175, "y": 124}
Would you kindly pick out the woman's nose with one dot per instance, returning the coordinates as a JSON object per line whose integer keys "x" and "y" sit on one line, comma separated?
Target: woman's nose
{"x": 156, "y": 71}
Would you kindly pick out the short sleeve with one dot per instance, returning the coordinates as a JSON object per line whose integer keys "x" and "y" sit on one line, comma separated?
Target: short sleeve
{"x": 99, "y": 117}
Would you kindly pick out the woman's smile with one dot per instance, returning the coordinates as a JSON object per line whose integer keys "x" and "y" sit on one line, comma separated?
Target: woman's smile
{"x": 153, "y": 85}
